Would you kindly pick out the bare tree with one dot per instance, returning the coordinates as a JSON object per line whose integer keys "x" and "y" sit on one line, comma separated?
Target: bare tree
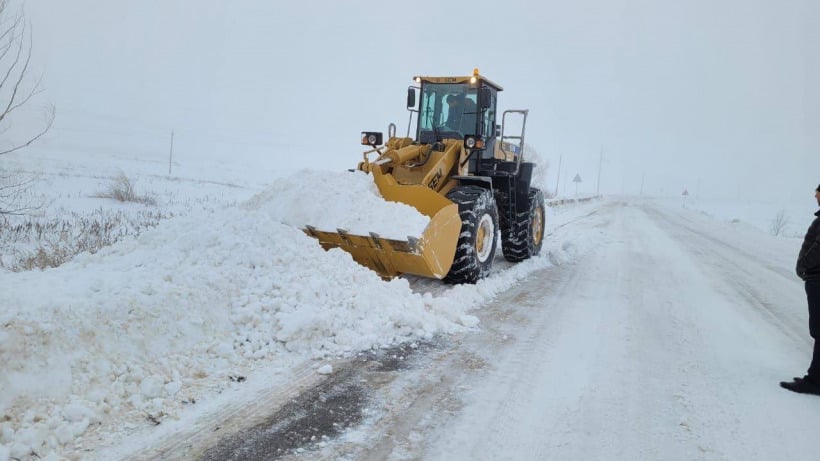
{"x": 778, "y": 223}
{"x": 15, "y": 194}
{"x": 16, "y": 92}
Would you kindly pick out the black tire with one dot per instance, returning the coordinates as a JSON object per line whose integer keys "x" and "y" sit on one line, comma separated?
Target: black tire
{"x": 524, "y": 237}
{"x": 479, "y": 234}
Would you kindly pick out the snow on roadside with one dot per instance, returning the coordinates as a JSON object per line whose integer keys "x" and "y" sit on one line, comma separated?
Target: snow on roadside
{"x": 795, "y": 219}
{"x": 142, "y": 329}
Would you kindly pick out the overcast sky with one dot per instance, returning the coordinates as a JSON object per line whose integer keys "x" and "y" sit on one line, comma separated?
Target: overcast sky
{"x": 720, "y": 97}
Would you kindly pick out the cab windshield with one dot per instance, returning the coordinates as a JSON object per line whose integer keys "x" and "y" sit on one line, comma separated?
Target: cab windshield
{"x": 447, "y": 110}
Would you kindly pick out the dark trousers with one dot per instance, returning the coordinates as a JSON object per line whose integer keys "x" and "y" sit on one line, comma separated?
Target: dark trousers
{"x": 813, "y": 296}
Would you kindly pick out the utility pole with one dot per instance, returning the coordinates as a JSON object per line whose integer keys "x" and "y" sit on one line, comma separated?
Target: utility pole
{"x": 559, "y": 175}
{"x": 171, "y": 155}
{"x": 600, "y": 162}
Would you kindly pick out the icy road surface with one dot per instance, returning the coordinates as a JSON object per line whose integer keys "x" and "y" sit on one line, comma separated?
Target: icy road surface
{"x": 666, "y": 340}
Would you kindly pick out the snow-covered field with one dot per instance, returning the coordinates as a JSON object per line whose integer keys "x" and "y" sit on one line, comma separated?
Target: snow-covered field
{"x": 157, "y": 329}
{"x": 794, "y": 216}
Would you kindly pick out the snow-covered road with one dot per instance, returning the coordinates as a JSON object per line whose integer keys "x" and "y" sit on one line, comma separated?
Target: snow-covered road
{"x": 666, "y": 340}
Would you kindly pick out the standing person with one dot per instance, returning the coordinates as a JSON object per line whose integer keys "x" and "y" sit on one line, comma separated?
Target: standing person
{"x": 808, "y": 269}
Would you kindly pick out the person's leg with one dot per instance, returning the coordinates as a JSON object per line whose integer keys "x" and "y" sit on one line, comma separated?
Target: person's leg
{"x": 814, "y": 368}
{"x": 810, "y": 384}
{"x": 813, "y": 297}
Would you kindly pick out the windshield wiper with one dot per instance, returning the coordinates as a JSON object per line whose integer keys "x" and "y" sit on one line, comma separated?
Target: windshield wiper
{"x": 438, "y": 135}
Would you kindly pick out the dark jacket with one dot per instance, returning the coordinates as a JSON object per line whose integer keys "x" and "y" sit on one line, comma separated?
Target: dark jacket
{"x": 808, "y": 262}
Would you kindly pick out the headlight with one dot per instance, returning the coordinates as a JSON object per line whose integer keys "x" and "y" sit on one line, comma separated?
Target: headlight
{"x": 473, "y": 142}
{"x": 371, "y": 138}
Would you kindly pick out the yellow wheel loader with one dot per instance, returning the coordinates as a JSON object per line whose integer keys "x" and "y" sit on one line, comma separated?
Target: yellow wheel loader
{"x": 463, "y": 171}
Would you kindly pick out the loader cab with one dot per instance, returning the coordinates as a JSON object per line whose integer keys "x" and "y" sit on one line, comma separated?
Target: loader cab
{"x": 454, "y": 107}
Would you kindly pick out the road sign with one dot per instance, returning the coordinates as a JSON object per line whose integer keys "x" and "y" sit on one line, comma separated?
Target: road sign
{"x": 576, "y": 180}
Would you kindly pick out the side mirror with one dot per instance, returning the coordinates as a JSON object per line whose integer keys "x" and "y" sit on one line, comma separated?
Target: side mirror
{"x": 497, "y": 130}
{"x": 411, "y": 98}
{"x": 485, "y": 100}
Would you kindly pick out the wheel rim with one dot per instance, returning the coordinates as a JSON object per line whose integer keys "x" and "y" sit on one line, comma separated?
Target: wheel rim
{"x": 484, "y": 238}
{"x": 537, "y": 225}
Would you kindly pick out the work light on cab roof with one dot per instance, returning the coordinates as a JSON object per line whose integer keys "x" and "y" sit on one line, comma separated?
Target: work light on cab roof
{"x": 462, "y": 170}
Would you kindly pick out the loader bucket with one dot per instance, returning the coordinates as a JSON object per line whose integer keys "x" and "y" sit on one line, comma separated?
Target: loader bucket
{"x": 428, "y": 255}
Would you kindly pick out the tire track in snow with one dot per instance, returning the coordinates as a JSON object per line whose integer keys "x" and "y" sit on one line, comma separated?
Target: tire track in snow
{"x": 644, "y": 356}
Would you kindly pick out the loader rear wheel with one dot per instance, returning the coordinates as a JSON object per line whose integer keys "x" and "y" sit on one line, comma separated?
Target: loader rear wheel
{"x": 525, "y": 235}
{"x": 477, "y": 241}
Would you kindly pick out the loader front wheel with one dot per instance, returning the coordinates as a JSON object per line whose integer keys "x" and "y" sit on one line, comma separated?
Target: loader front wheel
{"x": 476, "y": 245}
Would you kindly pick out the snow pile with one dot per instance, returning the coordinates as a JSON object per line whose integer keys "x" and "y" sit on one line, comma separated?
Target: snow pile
{"x": 141, "y": 330}
{"x": 330, "y": 201}
{"x": 145, "y": 324}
